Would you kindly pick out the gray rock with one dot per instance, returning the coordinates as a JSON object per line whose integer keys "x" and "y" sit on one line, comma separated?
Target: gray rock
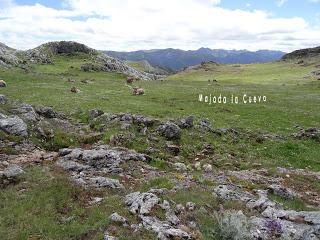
{"x": 141, "y": 203}
{"x": 181, "y": 167}
{"x": 102, "y": 156}
{"x": 104, "y": 182}
{"x": 308, "y": 217}
{"x": 109, "y": 237}
{"x": 173, "y": 149}
{"x": 180, "y": 208}
{"x": 283, "y": 191}
{"x": 125, "y": 126}
{"x": 164, "y": 229}
{"x": 27, "y": 113}
{"x": 3, "y": 99}
{"x": 12, "y": 171}
{"x": 282, "y": 229}
{"x": 72, "y": 166}
{"x": 47, "y": 112}
{"x": 186, "y": 122}
{"x": 94, "y": 113}
{"x": 190, "y": 206}
{"x": 174, "y": 233}
{"x": 207, "y": 168}
{"x": 13, "y": 125}
{"x": 170, "y": 131}
{"x": 116, "y": 218}
{"x": 232, "y": 192}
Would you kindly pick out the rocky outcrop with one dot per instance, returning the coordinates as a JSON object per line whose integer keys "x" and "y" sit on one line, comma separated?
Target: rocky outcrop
{"x": 141, "y": 203}
{"x": 99, "y": 61}
{"x": 13, "y": 125}
{"x": 8, "y": 57}
{"x": 303, "y": 53}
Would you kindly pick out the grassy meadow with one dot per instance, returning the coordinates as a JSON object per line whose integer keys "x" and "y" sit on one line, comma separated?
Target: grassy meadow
{"x": 44, "y": 210}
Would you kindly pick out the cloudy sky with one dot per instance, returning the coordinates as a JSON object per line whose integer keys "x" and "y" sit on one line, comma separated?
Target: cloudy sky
{"x": 148, "y": 24}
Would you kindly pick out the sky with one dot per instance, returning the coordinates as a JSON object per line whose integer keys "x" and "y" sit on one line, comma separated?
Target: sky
{"x": 127, "y": 25}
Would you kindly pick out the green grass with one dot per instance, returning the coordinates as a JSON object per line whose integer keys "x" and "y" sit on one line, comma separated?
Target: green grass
{"x": 159, "y": 182}
{"x": 292, "y": 97}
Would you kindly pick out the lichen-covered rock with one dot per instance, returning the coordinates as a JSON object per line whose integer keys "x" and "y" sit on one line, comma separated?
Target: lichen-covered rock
{"x": 116, "y": 218}
{"x": 3, "y": 99}
{"x": 13, "y": 125}
{"x": 104, "y": 182}
{"x": 141, "y": 203}
{"x": 10, "y": 175}
{"x": 170, "y": 131}
{"x": 94, "y": 113}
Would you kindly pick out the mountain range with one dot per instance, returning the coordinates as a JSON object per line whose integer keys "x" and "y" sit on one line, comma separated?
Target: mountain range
{"x": 176, "y": 59}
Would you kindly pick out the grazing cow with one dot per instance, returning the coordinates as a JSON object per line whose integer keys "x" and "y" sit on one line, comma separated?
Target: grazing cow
{"x": 74, "y": 90}
{"x": 130, "y": 79}
{"x": 3, "y": 83}
{"x": 138, "y": 91}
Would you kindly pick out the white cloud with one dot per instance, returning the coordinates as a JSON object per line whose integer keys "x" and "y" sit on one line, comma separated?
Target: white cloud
{"x": 280, "y": 2}
{"x": 144, "y": 24}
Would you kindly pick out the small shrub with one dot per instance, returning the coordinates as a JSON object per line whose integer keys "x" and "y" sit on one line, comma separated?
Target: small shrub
{"x": 232, "y": 225}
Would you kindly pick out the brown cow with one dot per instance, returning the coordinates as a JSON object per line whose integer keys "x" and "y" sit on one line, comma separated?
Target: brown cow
{"x": 130, "y": 79}
{"x": 138, "y": 91}
{"x": 3, "y": 83}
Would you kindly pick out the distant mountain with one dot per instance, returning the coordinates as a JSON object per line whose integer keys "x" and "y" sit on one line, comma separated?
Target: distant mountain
{"x": 303, "y": 53}
{"x": 175, "y": 59}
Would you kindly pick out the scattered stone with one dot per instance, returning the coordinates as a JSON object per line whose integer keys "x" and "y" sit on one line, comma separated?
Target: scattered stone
{"x": 72, "y": 166}
{"x": 207, "y": 168}
{"x": 186, "y": 122}
{"x": 47, "y": 112}
{"x": 180, "y": 208}
{"x": 109, "y": 237}
{"x": 141, "y": 203}
{"x": 173, "y": 149}
{"x": 102, "y": 182}
{"x": 197, "y": 166}
{"x": 170, "y": 131}
{"x": 116, "y": 218}
{"x": 306, "y": 217}
{"x": 3, "y": 99}
{"x": 190, "y": 206}
{"x": 205, "y": 125}
{"x": 13, "y": 125}
{"x": 207, "y": 149}
{"x": 164, "y": 229}
{"x": 311, "y": 133}
{"x": 232, "y": 192}
{"x": 10, "y": 175}
{"x": 180, "y": 167}
{"x": 94, "y": 113}
{"x": 282, "y": 191}
{"x": 125, "y": 126}
{"x": 95, "y": 200}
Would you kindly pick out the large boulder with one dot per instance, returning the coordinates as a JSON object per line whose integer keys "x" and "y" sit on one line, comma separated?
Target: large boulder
{"x": 170, "y": 131}
{"x": 13, "y": 125}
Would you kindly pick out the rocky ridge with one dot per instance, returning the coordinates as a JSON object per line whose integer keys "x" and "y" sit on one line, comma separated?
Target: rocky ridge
{"x": 44, "y": 54}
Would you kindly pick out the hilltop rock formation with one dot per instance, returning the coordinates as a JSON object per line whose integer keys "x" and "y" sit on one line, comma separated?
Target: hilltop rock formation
{"x": 45, "y": 53}
{"x": 302, "y": 53}
{"x": 8, "y": 56}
